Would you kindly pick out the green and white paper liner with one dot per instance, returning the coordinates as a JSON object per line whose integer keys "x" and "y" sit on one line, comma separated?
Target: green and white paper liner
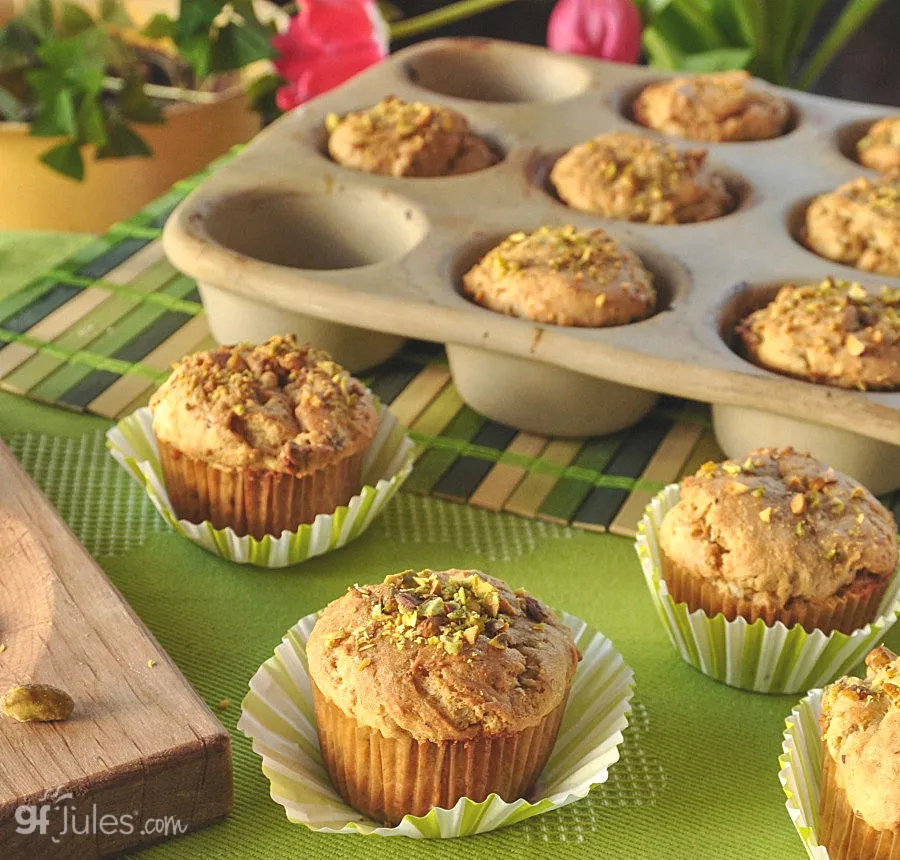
{"x": 386, "y": 465}
{"x": 278, "y": 717}
{"x": 755, "y": 657}
{"x": 800, "y": 770}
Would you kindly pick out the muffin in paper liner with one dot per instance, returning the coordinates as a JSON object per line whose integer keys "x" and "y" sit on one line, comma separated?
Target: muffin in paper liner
{"x": 386, "y": 465}
{"x": 764, "y": 659}
{"x": 279, "y": 717}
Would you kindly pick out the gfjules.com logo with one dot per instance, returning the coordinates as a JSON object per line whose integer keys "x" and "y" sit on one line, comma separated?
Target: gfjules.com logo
{"x": 55, "y": 816}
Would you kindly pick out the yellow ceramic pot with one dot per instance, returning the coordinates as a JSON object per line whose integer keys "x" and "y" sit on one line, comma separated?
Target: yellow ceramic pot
{"x": 33, "y": 197}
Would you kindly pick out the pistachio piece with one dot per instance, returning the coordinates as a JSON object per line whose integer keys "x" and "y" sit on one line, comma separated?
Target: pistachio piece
{"x": 39, "y": 703}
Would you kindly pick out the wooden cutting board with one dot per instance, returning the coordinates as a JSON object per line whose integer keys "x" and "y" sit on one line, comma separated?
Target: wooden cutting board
{"x": 142, "y": 758}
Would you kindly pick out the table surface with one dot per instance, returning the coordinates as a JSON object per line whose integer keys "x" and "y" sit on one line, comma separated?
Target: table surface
{"x": 698, "y": 776}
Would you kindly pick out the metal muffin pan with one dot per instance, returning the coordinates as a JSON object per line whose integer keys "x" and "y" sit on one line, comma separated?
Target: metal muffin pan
{"x": 282, "y": 238}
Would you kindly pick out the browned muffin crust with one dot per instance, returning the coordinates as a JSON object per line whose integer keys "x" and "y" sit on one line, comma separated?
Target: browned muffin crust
{"x": 442, "y": 655}
{"x": 715, "y": 107}
{"x": 277, "y": 406}
{"x": 833, "y": 332}
{"x": 634, "y": 178}
{"x": 858, "y": 224}
{"x": 779, "y": 525}
{"x": 880, "y": 147}
{"x": 565, "y": 276}
{"x": 860, "y": 724}
{"x": 397, "y": 138}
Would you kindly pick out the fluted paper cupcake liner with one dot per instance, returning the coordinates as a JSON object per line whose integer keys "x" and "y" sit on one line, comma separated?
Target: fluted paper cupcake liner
{"x": 279, "y": 717}
{"x": 804, "y": 783}
{"x": 386, "y": 465}
{"x": 757, "y": 657}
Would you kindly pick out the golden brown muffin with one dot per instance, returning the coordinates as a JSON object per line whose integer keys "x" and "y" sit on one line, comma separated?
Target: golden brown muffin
{"x": 859, "y": 799}
{"x": 397, "y": 138}
{"x": 563, "y": 275}
{"x": 716, "y": 107}
{"x": 880, "y": 148}
{"x": 779, "y": 536}
{"x": 833, "y": 332}
{"x": 634, "y": 178}
{"x": 434, "y": 686}
{"x": 858, "y": 224}
{"x": 261, "y": 438}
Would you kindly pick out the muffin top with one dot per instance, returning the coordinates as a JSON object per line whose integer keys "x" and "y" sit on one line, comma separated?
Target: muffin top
{"x": 779, "y": 524}
{"x": 861, "y": 728}
{"x": 563, "y": 275}
{"x": 442, "y": 655}
{"x": 833, "y": 332}
{"x": 276, "y": 406}
{"x": 717, "y": 107}
{"x": 880, "y": 148}
{"x": 635, "y": 178}
{"x": 858, "y": 224}
{"x": 398, "y": 138}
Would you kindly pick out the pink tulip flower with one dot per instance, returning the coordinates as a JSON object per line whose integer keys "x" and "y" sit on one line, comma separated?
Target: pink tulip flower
{"x": 327, "y": 42}
{"x": 606, "y": 29}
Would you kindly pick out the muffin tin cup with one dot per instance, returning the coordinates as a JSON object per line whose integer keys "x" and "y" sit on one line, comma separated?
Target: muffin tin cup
{"x": 874, "y": 464}
{"x": 755, "y": 657}
{"x": 279, "y": 717}
{"x": 541, "y": 398}
{"x": 385, "y": 466}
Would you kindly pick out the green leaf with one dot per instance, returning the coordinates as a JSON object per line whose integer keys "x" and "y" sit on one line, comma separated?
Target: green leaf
{"x": 38, "y": 17}
{"x": 236, "y": 47}
{"x": 160, "y": 26}
{"x": 17, "y": 46}
{"x": 91, "y": 123}
{"x": 698, "y": 17}
{"x": 196, "y": 18}
{"x": 196, "y": 51}
{"x": 55, "y": 115}
{"x": 113, "y": 12}
{"x": 73, "y": 20}
{"x": 852, "y": 18}
{"x": 123, "y": 142}
{"x": 718, "y": 60}
{"x": 66, "y": 159}
{"x": 663, "y": 54}
{"x": 791, "y": 41}
{"x": 10, "y": 108}
{"x": 134, "y": 104}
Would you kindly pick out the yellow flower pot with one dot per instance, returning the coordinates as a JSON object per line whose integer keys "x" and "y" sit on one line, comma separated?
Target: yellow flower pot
{"x": 33, "y": 197}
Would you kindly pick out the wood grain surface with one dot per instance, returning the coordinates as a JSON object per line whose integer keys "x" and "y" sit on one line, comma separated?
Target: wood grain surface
{"x": 142, "y": 756}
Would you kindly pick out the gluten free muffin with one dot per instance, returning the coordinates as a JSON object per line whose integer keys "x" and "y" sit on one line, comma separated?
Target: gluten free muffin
{"x": 261, "y": 438}
{"x": 833, "y": 332}
{"x": 634, "y": 178}
{"x": 781, "y": 537}
{"x": 397, "y": 138}
{"x": 716, "y": 107}
{"x": 858, "y": 224}
{"x": 565, "y": 276}
{"x": 434, "y": 686}
{"x": 859, "y": 797}
{"x": 880, "y": 147}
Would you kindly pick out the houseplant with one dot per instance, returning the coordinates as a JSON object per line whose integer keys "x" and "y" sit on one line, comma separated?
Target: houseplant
{"x": 101, "y": 110}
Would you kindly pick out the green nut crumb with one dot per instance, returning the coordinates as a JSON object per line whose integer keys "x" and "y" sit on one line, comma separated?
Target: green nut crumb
{"x": 39, "y": 703}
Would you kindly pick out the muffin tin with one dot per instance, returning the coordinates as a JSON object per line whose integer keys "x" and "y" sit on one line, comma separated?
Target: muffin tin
{"x": 283, "y": 239}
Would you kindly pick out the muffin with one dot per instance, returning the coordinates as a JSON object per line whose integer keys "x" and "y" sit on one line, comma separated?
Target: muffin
{"x": 778, "y": 536}
{"x": 261, "y": 438}
{"x": 633, "y": 178}
{"x": 435, "y": 686}
{"x": 859, "y": 797}
{"x": 858, "y": 224}
{"x": 565, "y": 276}
{"x": 716, "y": 107}
{"x": 880, "y": 148}
{"x": 397, "y": 138}
{"x": 834, "y": 333}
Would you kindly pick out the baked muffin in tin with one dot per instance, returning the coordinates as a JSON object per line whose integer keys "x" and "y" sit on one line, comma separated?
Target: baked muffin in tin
{"x": 879, "y": 148}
